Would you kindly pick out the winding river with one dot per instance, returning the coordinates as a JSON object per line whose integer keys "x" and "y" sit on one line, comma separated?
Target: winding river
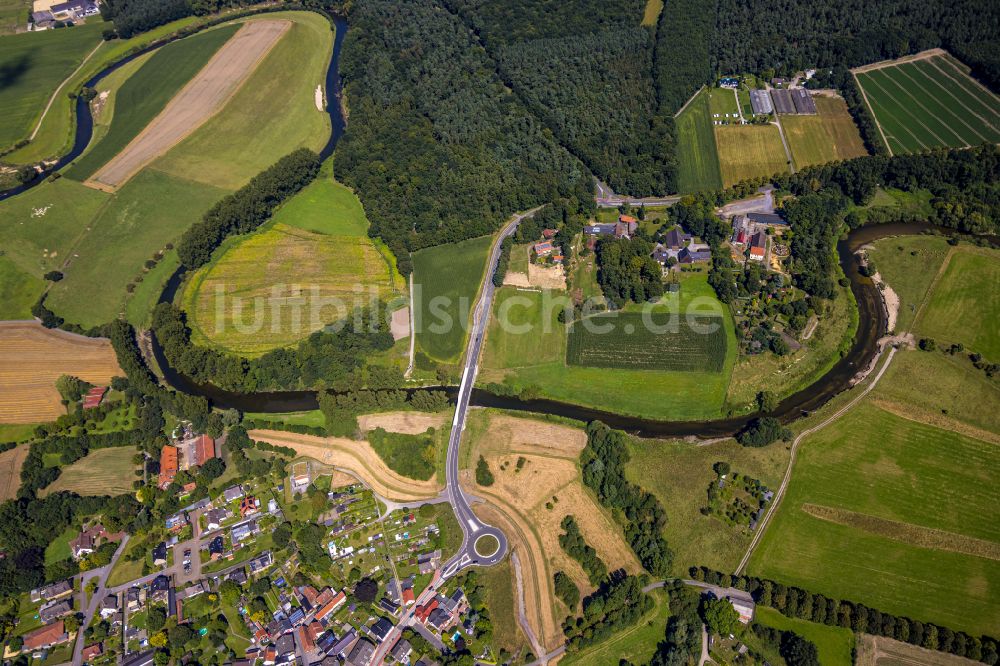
{"x": 871, "y": 314}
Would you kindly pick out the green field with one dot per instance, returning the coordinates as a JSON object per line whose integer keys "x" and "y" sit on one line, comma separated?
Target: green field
{"x": 413, "y": 456}
{"x": 697, "y": 156}
{"x": 679, "y": 474}
{"x": 829, "y": 136}
{"x": 146, "y": 213}
{"x": 101, "y": 472}
{"x": 248, "y": 136}
{"x": 878, "y": 497}
{"x": 314, "y": 259}
{"x": 521, "y": 332}
{"x": 13, "y": 15}
{"x": 835, "y": 644}
{"x": 18, "y": 291}
{"x": 33, "y": 64}
{"x": 964, "y": 305}
{"x": 144, "y": 94}
{"x": 446, "y": 281}
{"x": 657, "y": 341}
{"x": 723, "y": 105}
{"x": 930, "y": 103}
{"x": 749, "y": 151}
{"x": 908, "y": 265}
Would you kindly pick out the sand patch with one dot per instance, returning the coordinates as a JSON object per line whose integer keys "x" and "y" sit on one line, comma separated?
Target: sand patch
{"x": 399, "y": 325}
{"x": 357, "y": 457}
{"x": 199, "y": 100}
{"x": 31, "y": 360}
{"x": 407, "y": 423}
{"x": 516, "y": 279}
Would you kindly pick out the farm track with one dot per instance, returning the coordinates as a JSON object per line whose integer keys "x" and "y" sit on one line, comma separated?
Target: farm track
{"x": 204, "y": 96}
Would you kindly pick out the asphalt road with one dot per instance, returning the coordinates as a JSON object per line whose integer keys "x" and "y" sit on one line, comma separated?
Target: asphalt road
{"x": 472, "y": 527}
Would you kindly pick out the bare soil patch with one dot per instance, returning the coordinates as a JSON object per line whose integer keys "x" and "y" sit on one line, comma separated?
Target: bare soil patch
{"x": 914, "y": 535}
{"x": 528, "y": 435}
{"x": 10, "y": 471}
{"x": 516, "y": 279}
{"x": 553, "y": 277}
{"x": 357, "y": 457}
{"x": 407, "y": 423}
{"x": 31, "y": 360}
{"x": 198, "y": 101}
{"x": 400, "y": 324}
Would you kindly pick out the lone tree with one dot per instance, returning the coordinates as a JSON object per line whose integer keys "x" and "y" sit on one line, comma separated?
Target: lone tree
{"x": 720, "y": 616}
{"x": 365, "y": 590}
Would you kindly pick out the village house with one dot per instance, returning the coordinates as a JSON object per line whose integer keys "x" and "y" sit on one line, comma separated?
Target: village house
{"x": 55, "y": 609}
{"x": 362, "y": 653}
{"x": 216, "y": 547}
{"x": 168, "y": 466}
{"x": 381, "y": 629}
{"x": 261, "y": 562}
{"x": 109, "y": 606}
{"x": 197, "y": 450}
{"x": 232, "y": 493}
{"x": 53, "y": 591}
{"x": 401, "y": 651}
{"x": 543, "y": 249}
{"x": 159, "y": 589}
{"x": 88, "y": 540}
{"x": 249, "y": 505}
{"x": 135, "y": 598}
{"x": 176, "y": 522}
{"x": 429, "y": 562}
{"x": 160, "y": 554}
{"x": 215, "y": 517}
{"x": 92, "y": 652}
{"x": 47, "y": 636}
{"x": 244, "y": 531}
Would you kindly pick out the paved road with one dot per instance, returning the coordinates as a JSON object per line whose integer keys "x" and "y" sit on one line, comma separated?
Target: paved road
{"x": 606, "y": 198}
{"x": 472, "y": 527}
{"x": 88, "y": 613}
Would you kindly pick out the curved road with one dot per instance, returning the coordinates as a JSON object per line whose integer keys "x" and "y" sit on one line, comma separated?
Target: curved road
{"x": 472, "y": 527}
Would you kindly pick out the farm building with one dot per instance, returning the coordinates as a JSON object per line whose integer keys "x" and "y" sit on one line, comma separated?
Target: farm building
{"x": 689, "y": 256}
{"x": 761, "y": 102}
{"x": 742, "y": 229}
{"x": 196, "y": 450}
{"x": 782, "y": 100}
{"x": 803, "y": 101}
{"x": 624, "y": 228}
{"x": 676, "y": 238}
{"x": 758, "y": 246}
{"x": 767, "y": 218}
{"x": 94, "y": 397}
{"x": 168, "y": 465}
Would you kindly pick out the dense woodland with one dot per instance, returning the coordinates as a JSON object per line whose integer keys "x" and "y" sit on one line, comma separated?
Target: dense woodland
{"x": 627, "y": 271}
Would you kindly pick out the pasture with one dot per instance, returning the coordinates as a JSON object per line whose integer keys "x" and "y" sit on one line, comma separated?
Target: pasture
{"x": 32, "y": 358}
{"x": 748, "y": 151}
{"x": 835, "y": 644}
{"x": 909, "y": 264}
{"x": 446, "y": 281}
{"x": 523, "y": 330}
{"x": 18, "y": 291}
{"x": 929, "y": 102}
{"x": 101, "y": 472}
{"x": 146, "y": 92}
{"x": 875, "y": 494}
{"x": 679, "y": 474}
{"x": 247, "y": 135}
{"x": 964, "y": 304}
{"x": 657, "y": 341}
{"x": 829, "y": 136}
{"x": 33, "y": 66}
{"x": 697, "y": 156}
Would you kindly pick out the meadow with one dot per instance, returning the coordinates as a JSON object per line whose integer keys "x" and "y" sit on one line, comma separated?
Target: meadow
{"x": 930, "y": 103}
{"x": 679, "y": 475}
{"x": 247, "y": 136}
{"x": 748, "y": 151}
{"x": 14, "y": 14}
{"x": 909, "y": 264}
{"x": 723, "y": 104}
{"x": 18, "y": 291}
{"x": 875, "y": 494}
{"x": 835, "y": 644}
{"x": 144, "y": 94}
{"x": 34, "y": 64}
{"x": 829, "y": 136}
{"x": 446, "y": 281}
{"x": 530, "y": 335}
{"x": 413, "y": 456}
{"x": 697, "y": 155}
{"x": 657, "y": 341}
{"x": 100, "y": 472}
{"x": 964, "y": 305}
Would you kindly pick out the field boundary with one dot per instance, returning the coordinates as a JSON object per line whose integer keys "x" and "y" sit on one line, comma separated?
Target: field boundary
{"x": 881, "y": 64}
{"x": 690, "y": 99}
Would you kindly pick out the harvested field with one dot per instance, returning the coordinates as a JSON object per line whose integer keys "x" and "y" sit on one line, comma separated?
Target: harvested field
{"x": 827, "y": 137}
{"x": 198, "y": 101}
{"x": 748, "y": 151}
{"x": 357, "y": 457}
{"x": 101, "y": 472}
{"x": 10, "y": 471}
{"x": 692, "y": 343}
{"x": 407, "y": 423}
{"x": 537, "y": 484}
{"x": 31, "y": 360}
{"x": 881, "y": 651}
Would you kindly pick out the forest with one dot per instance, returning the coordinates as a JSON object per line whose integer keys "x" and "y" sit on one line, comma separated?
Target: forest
{"x": 627, "y": 271}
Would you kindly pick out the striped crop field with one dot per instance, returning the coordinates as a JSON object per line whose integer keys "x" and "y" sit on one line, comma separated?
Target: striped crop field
{"x": 653, "y": 341}
{"x": 929, "y": 101}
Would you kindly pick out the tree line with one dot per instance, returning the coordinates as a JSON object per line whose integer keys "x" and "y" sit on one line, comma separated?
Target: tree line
{"x": 576, "y": 546}
{"x": 619, "y": 603}
{"x": 796, "y": 602}
{"x": 603, "y": 461}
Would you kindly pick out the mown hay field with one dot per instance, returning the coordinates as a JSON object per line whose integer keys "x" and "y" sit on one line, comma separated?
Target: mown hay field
{"x": 930, "y": 103}
{"x": 964, "y": 305}
{"x": 32, "y": 358}
{"x": 748, "y": 151}
{"x": 446, "y": 279}
{"x": 870, "y": 467}
{"x": 33, "y": 66}
{"x": 835, "y": 644}
{"x": 147, "y": 91}
{"x": 829, "y": 136}
{"x": 654, "y": 341}
{"x": 100, "y": 472}
{"x": 525, "y": 329}
{"x": 697, "y": 155}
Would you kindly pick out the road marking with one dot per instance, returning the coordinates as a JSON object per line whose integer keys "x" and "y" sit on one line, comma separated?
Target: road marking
{"x": 473, "y": 525}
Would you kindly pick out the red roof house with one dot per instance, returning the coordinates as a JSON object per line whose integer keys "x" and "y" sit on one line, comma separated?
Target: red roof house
{"x": 204, "y": 448}
{"x": 423, "y": 612}
{"x": 408, "y": 596}
{"x": 168, "y": 465}
{"x": 94, "y": 397}
{"x": 48, "y": 635}
{"x": 92, "y": 651}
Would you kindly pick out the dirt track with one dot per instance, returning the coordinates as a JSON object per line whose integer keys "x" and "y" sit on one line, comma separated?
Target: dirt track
{"x": 199, "y": 100}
